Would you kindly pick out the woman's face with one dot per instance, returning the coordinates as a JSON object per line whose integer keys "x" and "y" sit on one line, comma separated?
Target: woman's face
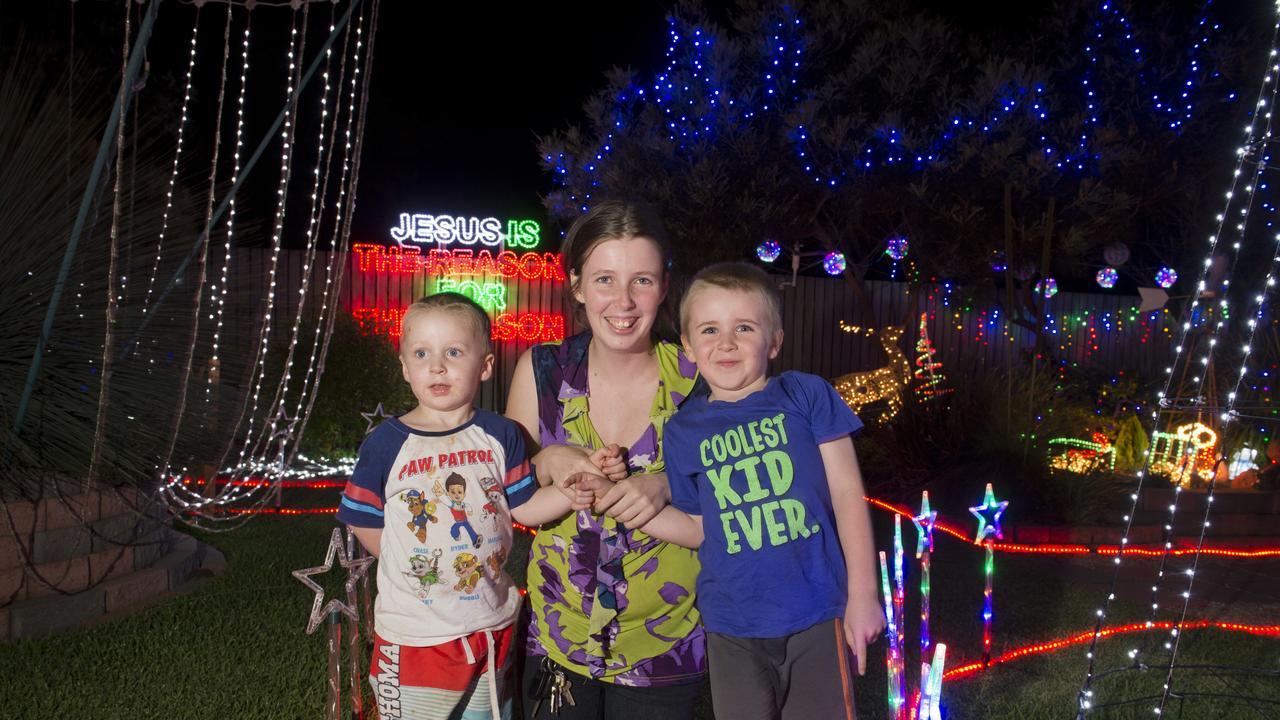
{"x": 622, "y": 285}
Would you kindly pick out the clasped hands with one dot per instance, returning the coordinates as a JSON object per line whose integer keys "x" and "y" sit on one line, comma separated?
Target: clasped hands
{"x": 600, "y": 481}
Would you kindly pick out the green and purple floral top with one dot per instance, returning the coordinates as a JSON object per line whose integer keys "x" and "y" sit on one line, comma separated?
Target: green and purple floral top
{"x": 608, "y": 602}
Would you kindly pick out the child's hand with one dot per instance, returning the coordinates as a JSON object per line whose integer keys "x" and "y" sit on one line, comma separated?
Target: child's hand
{"x": 863, "y": 624}
{"x": 611, "y": 461}
{"x": 586, "y": 488}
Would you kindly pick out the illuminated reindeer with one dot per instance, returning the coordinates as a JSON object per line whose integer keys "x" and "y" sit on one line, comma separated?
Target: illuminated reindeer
{"x": 885, "y": 383}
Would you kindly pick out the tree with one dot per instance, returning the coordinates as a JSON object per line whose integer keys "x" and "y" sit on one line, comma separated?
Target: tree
{"x": 843, "y": 124}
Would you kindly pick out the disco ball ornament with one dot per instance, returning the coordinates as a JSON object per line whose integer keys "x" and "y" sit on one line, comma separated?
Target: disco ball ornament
{"x": 1116, "y": 254}
{"x": 1166, "y": 277}
{"x": 768, "y": 251}
{"x": 897, "y": 248}
{"x": 1048, "y": 287}
{"x": 833, "y": 263}
{"x": 1107, "y": 277}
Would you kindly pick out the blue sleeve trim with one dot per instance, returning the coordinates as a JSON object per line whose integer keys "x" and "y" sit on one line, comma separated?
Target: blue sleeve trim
{"x": 361, "y": 507}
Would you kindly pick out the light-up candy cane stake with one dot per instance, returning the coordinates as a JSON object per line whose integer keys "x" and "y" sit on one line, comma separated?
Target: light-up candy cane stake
{"x": 899, "y": 605}
{"x": 988, "y": 514}
{"x": 892, "y": 656}
{"x": 931, "y": 686}
{"x": 924, "y": 523}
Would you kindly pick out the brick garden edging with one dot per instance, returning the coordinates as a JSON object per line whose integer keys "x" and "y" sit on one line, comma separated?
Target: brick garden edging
{"x": 67, "y": 561}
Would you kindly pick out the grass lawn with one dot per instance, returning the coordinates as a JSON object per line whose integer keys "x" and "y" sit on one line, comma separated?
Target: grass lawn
{"x": 235, "y": 648}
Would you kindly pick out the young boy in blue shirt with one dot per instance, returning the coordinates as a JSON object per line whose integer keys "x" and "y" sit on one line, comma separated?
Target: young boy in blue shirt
{"x": 443, "y": 618}
{"x": 765, "y": 483}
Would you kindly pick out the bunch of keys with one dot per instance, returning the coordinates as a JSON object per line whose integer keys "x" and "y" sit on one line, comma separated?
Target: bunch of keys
{"x": 552, "y": 684}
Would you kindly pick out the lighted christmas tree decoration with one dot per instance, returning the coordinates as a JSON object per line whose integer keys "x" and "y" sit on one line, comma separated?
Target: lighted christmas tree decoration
{"x": 928, "y": 372}
{"x": 1047, "y": 287}
{"x": 833, "y": 263}
{"x": 768, "y": 251}
{"x": 1166, "y": 277}
{"x": 897, "y": 248}
{"x": 988, "y": 514}
{"x": 1107, "y": 277}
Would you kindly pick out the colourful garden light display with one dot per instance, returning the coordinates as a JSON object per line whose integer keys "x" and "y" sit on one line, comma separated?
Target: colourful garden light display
{"x": 1047, "y": 287}
{"x": 1166, "y": 277}
{"x": 928, "y": 371}
{"x": 1083, "y": 456}
{"x": 988, "y": 514}
{"x": 833, "y": 263}
{"x": 899, "y": 604}
{"x": 1186, "y": 453}
{"x": 1107, "y": 277}
{"x": 768, "y": 251}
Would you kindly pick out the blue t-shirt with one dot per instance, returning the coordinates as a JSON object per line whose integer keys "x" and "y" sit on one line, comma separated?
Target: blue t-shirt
{"x": 771, "y": 561}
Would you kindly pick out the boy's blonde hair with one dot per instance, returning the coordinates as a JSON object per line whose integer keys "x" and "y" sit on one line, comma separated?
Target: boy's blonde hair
{"x": 455, "y": 303}
{"x": 738, "y": 276}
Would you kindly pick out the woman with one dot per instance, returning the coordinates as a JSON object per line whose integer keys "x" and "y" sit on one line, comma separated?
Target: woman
{"x": 612, "y": 609}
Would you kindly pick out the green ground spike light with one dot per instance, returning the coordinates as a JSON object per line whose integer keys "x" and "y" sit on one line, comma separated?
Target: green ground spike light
{"x": 988, "y": 514}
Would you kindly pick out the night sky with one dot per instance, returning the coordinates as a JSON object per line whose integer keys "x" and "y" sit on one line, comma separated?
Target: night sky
{"x": 459, "y": 91}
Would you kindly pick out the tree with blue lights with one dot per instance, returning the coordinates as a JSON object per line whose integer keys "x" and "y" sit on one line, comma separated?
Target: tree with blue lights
{"x": 841, "y": 125}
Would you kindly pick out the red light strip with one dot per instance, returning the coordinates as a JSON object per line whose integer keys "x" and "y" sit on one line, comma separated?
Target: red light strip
{"x": 973, "y": 668}
{"x": 1147, "y": 551}
{"x": 260, "y": 482}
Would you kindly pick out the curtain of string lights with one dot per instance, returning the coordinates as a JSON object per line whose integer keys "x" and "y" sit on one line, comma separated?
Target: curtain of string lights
{"x": 246, "y": 403}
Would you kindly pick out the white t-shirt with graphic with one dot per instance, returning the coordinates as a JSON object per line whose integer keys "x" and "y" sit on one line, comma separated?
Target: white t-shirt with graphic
{"x": 443, "y": 502}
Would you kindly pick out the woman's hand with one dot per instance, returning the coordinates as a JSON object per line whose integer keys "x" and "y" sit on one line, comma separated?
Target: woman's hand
{"x": 635, "y": 500}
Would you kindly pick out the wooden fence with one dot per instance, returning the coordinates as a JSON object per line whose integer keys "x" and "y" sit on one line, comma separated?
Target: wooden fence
{"x": 964, "y": 325}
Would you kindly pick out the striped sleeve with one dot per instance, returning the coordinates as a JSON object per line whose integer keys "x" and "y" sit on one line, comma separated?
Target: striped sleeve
{"x": 362, "y": 500}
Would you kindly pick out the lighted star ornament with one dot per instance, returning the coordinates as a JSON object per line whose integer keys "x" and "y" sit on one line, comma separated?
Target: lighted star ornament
{"x": 355, "y": 567}
{"x": 924, "y": 523}
{"x": 377, "y": 414}
{"x": 988, "y": 514}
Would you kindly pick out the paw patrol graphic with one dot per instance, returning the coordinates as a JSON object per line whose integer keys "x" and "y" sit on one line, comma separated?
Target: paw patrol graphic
{"x": 467, "y": 566}
{"x": 421, "y": 510}
{"x": 495, "y": 563}
{"x": 427, "y": 571}
{"x": 455, "y": 487}
{"x": 493, "y": 493}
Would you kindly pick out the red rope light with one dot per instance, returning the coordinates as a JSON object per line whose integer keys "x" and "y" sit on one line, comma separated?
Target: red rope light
{"x": 1064, "y": 549}
{"x": 973, "y": 668}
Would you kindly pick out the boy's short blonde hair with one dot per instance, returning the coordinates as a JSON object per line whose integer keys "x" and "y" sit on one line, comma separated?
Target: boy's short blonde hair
{"x": 455, "y": 303}
{"x": 734, "y": 276}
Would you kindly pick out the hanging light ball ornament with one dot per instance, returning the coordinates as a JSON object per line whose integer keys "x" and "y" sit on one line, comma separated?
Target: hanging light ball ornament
{"x": 998, "y": 263}
{"x": 1107, "y": 277}
{"x": 833, "y": 263}
{"x": 768, "y": 251}
{"x": 1048, "y": 287}
{"x": 1166, "y": 277}
{"x": 1116, "y": 254}
{"x": 897, "y": 248}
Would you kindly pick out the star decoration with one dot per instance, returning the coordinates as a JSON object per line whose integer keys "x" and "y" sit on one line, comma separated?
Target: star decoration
{"x": 377, "y": 413}
{"x": 988, "y": 514}
{"x": 356, "y": 569}
{"x": 924, "y": 523}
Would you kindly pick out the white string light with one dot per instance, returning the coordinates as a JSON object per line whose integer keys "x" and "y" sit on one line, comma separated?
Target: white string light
{"x": 1253, "y": 140}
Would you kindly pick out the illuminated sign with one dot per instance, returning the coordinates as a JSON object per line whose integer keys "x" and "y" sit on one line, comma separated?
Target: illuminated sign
{"x": 526, "y": 326}
{"x": 472, "y": 256}
{"x": 456, "y": 229}
{"x": 409, "y": 259}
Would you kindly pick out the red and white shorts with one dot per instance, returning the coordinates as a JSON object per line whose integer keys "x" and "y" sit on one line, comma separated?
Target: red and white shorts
{"x": 426, "y": 683}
